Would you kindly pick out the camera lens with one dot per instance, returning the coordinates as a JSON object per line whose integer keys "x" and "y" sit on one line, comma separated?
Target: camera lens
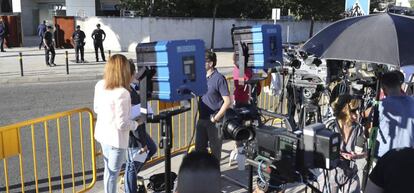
{"x": 239, "y": 132}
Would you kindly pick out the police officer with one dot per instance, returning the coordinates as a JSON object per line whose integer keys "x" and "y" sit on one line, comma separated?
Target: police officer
{"x": 49, "y": 46}
{"x": 98, "y": 41}
{"x": 78, "y": 38}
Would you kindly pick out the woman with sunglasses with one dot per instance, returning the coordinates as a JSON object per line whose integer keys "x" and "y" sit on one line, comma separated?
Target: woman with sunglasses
{"x": 345, "y": 176}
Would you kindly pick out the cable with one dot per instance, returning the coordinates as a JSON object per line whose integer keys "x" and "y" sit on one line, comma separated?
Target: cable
{"x": 194, "y": 122}
{"x": 261, "y": 177}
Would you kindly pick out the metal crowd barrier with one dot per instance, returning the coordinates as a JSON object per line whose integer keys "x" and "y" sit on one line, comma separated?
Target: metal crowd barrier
{"x": 49, "y": 153}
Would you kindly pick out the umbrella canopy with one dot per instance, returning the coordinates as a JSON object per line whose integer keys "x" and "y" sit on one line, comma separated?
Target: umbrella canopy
{"x": 380, "y": 38}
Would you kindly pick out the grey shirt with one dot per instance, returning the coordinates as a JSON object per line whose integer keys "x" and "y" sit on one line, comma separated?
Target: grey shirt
{"x": 212, "y": 101}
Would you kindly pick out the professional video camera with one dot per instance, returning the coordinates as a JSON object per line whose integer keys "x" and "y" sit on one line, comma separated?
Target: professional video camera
{"x": 287, "y": 154}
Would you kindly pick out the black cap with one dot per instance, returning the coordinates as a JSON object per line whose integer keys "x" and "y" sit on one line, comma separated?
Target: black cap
{"x": 98, "y": 25}
{"x": 49, "y": 27}
{"x": 78, "y": 27}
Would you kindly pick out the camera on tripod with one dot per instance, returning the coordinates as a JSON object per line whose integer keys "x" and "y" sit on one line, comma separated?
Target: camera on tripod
{"x": 287, "y": 154}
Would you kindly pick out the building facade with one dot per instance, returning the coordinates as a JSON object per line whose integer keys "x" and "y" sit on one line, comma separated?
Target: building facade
{"x": 33, "y": 12}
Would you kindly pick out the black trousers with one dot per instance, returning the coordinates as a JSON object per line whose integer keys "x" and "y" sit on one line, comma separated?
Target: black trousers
{"x": 41, "y": 41}
{"x": 1, "y": 43}
{"x": 208, "y": 134}
{"x": 51, "y": 50}
{"x": 99, "y": 45}
{"x": 79, "y": 48}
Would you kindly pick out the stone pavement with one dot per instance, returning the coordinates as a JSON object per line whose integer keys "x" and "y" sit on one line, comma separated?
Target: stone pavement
{"x": 35, "y": 69}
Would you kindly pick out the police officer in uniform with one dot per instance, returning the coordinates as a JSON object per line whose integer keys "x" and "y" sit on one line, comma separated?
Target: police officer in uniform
{"x": 49, "y": 46}
{"x": 78, "y": 38}
{"x": 98, "y": 36}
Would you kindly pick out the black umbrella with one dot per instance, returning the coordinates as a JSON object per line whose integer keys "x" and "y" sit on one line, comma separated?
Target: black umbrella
{"x": 380, "y": 38}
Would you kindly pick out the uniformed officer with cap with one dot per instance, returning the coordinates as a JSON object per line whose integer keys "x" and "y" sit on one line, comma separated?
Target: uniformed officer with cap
{"x": 78, "y": 38}
{"x": 98, "y": 36}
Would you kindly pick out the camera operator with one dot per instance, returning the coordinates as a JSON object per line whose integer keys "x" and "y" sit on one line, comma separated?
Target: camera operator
{"x": 396, "y": 114}
{"x": 212, "y": 106}
{"x": 345, "y": 176}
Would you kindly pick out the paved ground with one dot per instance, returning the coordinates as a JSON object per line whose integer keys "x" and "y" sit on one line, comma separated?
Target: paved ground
{"x": 35, "y": 69}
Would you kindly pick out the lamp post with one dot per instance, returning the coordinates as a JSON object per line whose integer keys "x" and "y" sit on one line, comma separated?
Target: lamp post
{"x": 214, "y": 25}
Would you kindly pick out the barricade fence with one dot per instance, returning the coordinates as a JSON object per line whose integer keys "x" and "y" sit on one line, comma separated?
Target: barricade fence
{"x": 57, "y": 152}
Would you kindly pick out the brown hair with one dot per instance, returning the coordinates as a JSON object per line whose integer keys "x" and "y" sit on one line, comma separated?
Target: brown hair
{"x": 211, "y": 56}
{"x": 117, "y": 72}
{"x": 344, "y": 106}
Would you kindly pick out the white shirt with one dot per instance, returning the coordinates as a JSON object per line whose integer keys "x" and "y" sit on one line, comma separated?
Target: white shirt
{"x": 113, "y": 108}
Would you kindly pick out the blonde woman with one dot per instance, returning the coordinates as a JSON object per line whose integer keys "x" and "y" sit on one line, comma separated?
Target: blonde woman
{"x": 112, "y": 104}
{"x": 345, "y": 176}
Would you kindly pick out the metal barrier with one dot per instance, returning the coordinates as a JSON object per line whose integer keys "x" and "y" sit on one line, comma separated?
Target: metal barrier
{"x": 52, "y": 159}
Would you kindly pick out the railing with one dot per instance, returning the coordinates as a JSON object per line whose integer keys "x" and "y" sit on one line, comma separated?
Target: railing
{"x": 49, "y": 153}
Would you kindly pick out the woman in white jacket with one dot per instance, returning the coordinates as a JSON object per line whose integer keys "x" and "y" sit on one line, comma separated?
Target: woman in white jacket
{"x": 112, "y": 104}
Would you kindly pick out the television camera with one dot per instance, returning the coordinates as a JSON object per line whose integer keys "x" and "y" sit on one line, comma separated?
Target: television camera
{"x": 284, "y": 153}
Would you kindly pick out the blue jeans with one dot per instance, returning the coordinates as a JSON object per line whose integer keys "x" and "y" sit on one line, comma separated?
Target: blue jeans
{"x": 113, "y": 159}
{"x": 132, "y": 167}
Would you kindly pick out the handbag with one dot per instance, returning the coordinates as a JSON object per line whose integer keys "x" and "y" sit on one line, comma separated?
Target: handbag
{"x": 157, "y": 183}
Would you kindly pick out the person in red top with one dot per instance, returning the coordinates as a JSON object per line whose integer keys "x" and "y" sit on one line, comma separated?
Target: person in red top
{"x": 241, "y": 92}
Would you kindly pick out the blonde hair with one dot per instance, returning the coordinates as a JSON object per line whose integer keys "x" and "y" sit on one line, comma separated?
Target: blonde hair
{"x": 117, "y": 72}
{"x": 343, "y": 106}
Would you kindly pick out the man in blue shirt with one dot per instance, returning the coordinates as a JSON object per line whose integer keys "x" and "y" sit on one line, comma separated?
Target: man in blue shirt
{"x": 396, "y": 115}
{"x": 212, "y": 107}
{"x": 41, "y": 30}
{"x": 3, "y": 34}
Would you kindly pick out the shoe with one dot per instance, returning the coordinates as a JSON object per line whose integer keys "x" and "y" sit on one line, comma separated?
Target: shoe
{"x": 104, "y": 60}
{"x": 77, "y": 61}
{"x": 82, "y": 61}
{"x": 3, "y": 51}
{"x": 97, "y": 60}
{"x": 52, "y": 64}
{"x": 47, "y": 64}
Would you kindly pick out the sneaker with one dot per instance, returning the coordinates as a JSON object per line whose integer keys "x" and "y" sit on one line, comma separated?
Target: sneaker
{"x": 52, "y": 64}
{"x": 82, "y": 61}
{"x": 3, "y": 51}
{"x": 47, "y": 64}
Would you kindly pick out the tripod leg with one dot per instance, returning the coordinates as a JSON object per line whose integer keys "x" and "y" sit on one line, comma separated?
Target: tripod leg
{"x": 250, "y": 178}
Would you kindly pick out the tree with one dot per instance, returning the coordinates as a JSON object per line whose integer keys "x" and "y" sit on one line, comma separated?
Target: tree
{"x": 326, "y": 10}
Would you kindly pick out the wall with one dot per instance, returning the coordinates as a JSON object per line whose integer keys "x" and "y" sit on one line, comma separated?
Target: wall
{"x": 125, "y": 33}
{"x": 82, "y": 8}
{"x": 28, "y": 8}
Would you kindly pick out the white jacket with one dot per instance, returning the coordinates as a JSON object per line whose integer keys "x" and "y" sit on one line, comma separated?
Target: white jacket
{"x": 113, "y": 109}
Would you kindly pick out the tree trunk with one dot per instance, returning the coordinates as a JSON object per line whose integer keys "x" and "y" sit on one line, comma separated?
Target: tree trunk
{"x": 311, "y": 27}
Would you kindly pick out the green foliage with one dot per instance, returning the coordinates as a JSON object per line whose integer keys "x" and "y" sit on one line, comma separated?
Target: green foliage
{"x": 261, "y": 9}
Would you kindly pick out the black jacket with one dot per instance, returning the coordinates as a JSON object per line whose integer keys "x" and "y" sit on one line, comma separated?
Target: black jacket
{"x": 137, "y": 137}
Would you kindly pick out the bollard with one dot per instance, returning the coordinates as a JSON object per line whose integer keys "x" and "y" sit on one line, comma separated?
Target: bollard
{"x": 109, "y": 51}
{"x": 21, "y": 63}
{"x": 67, "y": 62}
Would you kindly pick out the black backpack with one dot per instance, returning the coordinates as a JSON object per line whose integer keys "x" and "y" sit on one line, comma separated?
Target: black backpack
{"x": 157, "y": 183}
